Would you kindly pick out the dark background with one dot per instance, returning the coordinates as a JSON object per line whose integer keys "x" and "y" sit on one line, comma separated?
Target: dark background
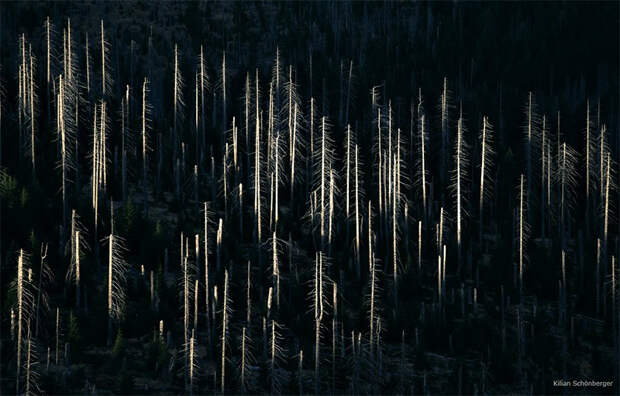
{"x": 566, "y": 53}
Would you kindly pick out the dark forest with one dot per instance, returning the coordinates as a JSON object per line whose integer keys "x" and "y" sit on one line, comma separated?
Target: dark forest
{"x": 335, "y": 197}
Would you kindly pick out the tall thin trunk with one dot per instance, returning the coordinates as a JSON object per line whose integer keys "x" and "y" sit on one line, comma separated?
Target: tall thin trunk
{"x": 195, "y": 306}
{"x": 39, "y": 291}
{"x": 176, "y": 90}
{"x": 444, "y": 128}
{"x": 218, "y": 242}
{"x": 110, "y": 289}
{"x": 28, "y": 362}
{"x": 379, "y": 138}
{"x": 203, "y": 79}
{"x": 32, "y": 115}
{"x": 542, "y": 175}
{"x": 357, "y": 215}
{"x": 529, "y": 142}
{"x": 419, "y": 247}
{"x": 318, "y": 316}
{"x": 588, "y": 149}
{"x": 186, "y": 291}
{"x": 521, "y": 234}
{"x": 224, "y": 89}
{"x": 224, "y": 331}
{"x": 243, "y": 359}
{"x": 331, "y": 211}
{"x": 606, "y": 205}
{"x": 77, "y": 268}
{"x": 63, "y": 141}
{"x": 347, "y": 169}
{"x": 206, "y": 269}
{"x": 293, "y": 155}
{"x": 257, "y": 171}
{"x": 192, "y": 358}
{"x": 389, "y": 160}
{"x": 310, "y": 157}
{"x": 144, "y": 144}
{"x": 103, "y": 56}
{"x": 439, "y": 280}
{"x": 95, "y": 179}
{"x": 103, "y": 148}
{"x": 598, "y": 274}
{"x": 373, "y": 281}
{"x": 274, "y": 348}
{"x": 275, "y": 272}
{"x": 349, "y": 82}
{"x": 277, "y": 181}
{"x": 601, "y": 174}
{"x": 124, "y": 125}
{"x": 323, "y": 169}
{"x": 482, "y": 170}
{"x": 459, "y": 154}
{"x": 394, "y": 237}
{"x": 196, "y": 118}
{"x": 20, "y": 312}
